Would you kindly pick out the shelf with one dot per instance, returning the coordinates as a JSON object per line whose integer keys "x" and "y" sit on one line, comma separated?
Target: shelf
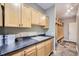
{"x": 59, "y": 23}
{"x": 60, "y": 37}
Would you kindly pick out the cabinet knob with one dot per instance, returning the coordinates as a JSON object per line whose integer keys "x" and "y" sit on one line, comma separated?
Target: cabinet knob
{"x": 19, "y": 24}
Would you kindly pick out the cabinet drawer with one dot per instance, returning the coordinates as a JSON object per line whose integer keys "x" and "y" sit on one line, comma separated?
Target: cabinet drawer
{"x": 30, "y": 48}
{"x": 30, "y": 51}
{"x": 40, "y": 45}
{"x": 41, "y": 51}
{"x": 19, "y": 53}
{"x": 48, "y": 41}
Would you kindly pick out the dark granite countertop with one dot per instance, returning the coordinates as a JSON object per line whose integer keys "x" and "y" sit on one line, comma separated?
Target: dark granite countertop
{"x": 20, "y": 45}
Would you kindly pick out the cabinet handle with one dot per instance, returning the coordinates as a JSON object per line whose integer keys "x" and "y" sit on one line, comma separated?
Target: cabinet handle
{"x": 19, "y": 25}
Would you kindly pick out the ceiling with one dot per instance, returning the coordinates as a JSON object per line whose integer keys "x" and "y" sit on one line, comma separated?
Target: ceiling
{"x": 45, "y": 5}
{"x": 66, "y": 9}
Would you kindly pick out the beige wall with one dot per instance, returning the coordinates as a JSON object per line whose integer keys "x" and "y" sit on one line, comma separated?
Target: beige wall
{"x": 51, "y": 13}
{"x": 77, "y": 21}
{"x": 66, "y": 27}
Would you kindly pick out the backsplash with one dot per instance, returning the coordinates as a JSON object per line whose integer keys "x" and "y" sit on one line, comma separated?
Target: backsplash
{"x": 34, "y": 29}
{"x": 25, "y": 34}
{"x": 9, "y": 39}
{"x": 1, "y": 37}
{"x": 21, "y": 32}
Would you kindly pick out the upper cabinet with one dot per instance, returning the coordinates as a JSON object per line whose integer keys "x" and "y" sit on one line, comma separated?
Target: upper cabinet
{"x": 12, "y": 14}
{"x": 35, "y": 17}
{"x": 0, "y": 16}
{"x": 46, "y": 23}
{"x": 42, "y": 20}
{"x": 26, "y": 16}
{"x": 39, "y": 18}
{"x": 17, "y": 15}
{"x": 20, "y": 15}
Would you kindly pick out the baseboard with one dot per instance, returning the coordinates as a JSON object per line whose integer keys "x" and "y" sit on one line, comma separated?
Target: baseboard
{"x": 77, "y": 49}
{"x": 51, "y": 53}
{"x": 70, "y": 42}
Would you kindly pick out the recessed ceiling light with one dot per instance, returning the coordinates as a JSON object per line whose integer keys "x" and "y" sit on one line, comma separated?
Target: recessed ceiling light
{"x": 16, "y": 4}
{"x": 68, "y": 6}
{"x": 66, "y": 13}
{"x": 71, "y": 8}
{"x": 68, "y": 10}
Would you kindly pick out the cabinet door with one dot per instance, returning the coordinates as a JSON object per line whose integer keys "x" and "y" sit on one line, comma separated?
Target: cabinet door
{"x": 48, "y": 47}
{"x": 0, "y": 16}
{"x": 35, "y": 17}
{"x": 42, "y": 19}
{"x": 40, "y": 52}
{"x": 30, "y": 51}
{"x": 40, "y": 49}
{"x": 18, "y": 54}
{"x": 46, "y": 22}
{"x": 26, "y": 16}
{"x": 12, "y": 14}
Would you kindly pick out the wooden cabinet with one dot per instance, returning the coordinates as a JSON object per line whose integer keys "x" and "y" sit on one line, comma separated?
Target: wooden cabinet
{"x": 0, "y": 16}
{"x": 18, "y": 54}
{"x": 20, "y": 15}
{"x": 39, "y": 18}
{"x": 42, "y": 20}
{"x": 12, "y": 14}
{"x": 30, "y": 51}
{"x": 46, "y": 23}
{"x": 35, "y": 17}
{"x": 40, "y": 49}
{"x": 26, "y": 16}
{"x": 59, "y": 29}
{"x": 17, "y": 15}
{"x": 48, "y": 47}
{"x": 45, "y": 48}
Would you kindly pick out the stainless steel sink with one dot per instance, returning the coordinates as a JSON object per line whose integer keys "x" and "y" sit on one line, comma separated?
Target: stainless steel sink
{"x": 39, "y": 38}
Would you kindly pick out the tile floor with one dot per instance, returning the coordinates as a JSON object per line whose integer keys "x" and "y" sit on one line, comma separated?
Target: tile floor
{"x": 65, "y": 49}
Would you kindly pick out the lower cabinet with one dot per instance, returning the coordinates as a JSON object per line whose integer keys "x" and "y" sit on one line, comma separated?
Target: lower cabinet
{"x": 41, "y": 49}
{"x": 44, "y": 48}
{"x": 18, "y": 54}
{"x": 48, "y": 47}
{"x": 30, "y": 51}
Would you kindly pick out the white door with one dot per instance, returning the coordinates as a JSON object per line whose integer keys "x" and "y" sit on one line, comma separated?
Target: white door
{"x": 73, "y": 32}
